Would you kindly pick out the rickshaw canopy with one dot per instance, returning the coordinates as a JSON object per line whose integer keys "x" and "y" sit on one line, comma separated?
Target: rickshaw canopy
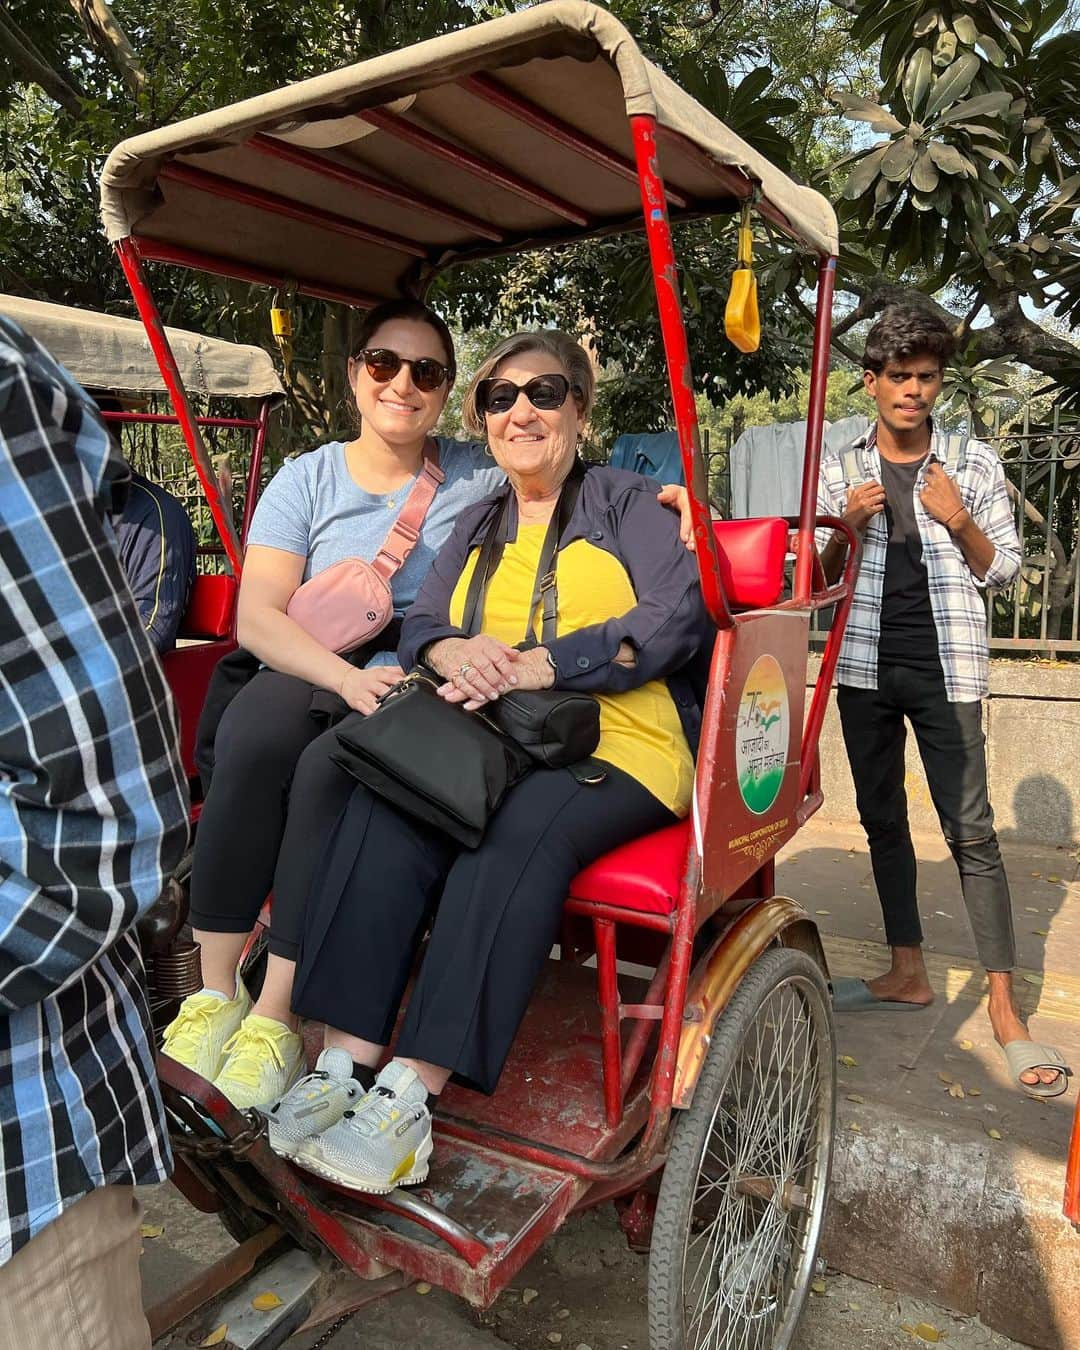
{"x": 527, "y": 116}
{"x": 103, "y": 351}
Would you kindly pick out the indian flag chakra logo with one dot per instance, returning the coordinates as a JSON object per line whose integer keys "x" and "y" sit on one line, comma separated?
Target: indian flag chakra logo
{"x": 761, "y": 735}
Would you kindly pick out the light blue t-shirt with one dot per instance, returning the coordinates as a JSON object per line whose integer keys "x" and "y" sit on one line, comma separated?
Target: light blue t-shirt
{"x": 313, "y": 507}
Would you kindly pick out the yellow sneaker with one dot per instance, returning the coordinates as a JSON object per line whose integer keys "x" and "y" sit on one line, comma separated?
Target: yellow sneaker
{"x": 262, "y": 1061}
{"x": 197, "y": 1035}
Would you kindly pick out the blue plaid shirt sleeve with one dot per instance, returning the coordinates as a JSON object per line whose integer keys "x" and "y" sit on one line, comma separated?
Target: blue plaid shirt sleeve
{"x": 92, "y": 798}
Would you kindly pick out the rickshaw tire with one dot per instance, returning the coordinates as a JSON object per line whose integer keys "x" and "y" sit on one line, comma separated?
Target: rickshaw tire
{"x": 693, "y": 1129}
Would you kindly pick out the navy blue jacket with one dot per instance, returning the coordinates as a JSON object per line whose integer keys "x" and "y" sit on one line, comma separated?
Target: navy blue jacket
{"x": 157, "y": 552}
{"x": 668, "y": 628}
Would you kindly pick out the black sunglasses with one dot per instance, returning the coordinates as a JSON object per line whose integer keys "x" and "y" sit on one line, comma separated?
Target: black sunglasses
{"x": 546, "y": 392}
{"x": 382, "y": 365}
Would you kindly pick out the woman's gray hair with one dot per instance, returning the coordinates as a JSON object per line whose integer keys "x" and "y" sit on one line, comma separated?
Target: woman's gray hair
{"x": 571, "y": 356}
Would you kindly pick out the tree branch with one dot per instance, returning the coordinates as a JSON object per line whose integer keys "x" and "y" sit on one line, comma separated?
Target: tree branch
{"x": 110, "y": 39}
{"x": 26, "y": 59}
{"x": 842, "y": 347}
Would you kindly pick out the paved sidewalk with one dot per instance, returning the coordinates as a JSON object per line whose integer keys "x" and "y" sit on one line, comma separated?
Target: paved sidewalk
{"x": 948, "y": 1179}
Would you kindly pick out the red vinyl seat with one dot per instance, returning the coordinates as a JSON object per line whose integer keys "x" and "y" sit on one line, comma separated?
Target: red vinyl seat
{"x": 752, "y": 555}
{"x": 211, "y": 608}
{"x": 210, "y": 614}
{"x": 644, "y": 875}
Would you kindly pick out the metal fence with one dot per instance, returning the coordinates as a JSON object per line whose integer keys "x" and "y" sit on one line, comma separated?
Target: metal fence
{"x": 1040, "y": 612}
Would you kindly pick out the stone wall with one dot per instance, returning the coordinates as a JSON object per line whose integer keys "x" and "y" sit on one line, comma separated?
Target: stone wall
{"x": 1032, "y": 720}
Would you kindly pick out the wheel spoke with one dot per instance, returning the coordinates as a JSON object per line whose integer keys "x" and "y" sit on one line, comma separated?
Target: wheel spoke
{"x": 745, "y": 1249}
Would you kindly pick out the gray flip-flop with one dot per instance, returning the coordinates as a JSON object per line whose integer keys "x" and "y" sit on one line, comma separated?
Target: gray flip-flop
{"x": 851, "y": 995}
{"x": 1024, "y": 1056}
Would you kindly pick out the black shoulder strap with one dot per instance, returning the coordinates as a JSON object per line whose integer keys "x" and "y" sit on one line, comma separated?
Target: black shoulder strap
{"x": 490, "y": 555}
{"x": 491, "y": 551}
{"x": 545, "y": 590}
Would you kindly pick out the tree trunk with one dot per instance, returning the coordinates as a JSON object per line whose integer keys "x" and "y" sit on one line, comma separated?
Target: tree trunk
{"x": 106, "y": 34}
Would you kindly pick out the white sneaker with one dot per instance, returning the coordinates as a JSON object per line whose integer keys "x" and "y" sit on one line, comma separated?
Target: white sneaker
{"x": 197, "y": 1035}
{"x": 262, "y": 1061}
{"x": 383, "y": 1143}
{"x": 314, "y": 1102}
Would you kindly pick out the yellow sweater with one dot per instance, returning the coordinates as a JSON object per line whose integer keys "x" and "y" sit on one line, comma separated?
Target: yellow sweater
{"x": 640, "y": 731}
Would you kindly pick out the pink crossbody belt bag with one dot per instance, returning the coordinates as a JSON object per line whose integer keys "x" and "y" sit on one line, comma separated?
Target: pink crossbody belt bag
{"x": 351, "y": 602}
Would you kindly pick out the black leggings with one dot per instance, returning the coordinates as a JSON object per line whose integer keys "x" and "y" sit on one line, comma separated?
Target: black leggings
{"x": 267, "y": 747}
{"x": 496, "y": 914}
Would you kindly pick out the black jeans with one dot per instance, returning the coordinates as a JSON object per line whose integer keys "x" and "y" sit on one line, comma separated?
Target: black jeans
{"x": 493, "y": 911}
{"x": 953, "y": 751}
{"x": 267, "y": 745}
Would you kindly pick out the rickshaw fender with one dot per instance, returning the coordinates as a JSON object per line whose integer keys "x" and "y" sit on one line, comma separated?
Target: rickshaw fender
{"x": 778, "y": 920}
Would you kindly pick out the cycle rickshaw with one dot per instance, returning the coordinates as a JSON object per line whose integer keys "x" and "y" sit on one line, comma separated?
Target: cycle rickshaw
{"x": 699, "y": 1097}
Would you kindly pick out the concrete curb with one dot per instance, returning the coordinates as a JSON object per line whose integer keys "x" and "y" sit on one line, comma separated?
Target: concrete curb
{"x": 946, "y": 1213}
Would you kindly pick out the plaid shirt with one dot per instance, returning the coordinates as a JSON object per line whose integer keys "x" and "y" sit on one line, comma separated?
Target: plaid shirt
{"x": 959, "y": 611}
{"x": 93, "y": 812}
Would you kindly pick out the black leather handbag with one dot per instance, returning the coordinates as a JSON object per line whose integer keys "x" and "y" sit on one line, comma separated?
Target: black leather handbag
{"x": 453, "y": 768}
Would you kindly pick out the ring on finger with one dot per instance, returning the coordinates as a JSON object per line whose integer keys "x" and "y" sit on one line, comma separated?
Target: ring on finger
{"x": 464, "y": 668}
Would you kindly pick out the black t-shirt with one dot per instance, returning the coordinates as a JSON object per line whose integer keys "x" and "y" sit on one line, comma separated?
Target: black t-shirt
{"x": 908, "y": 636}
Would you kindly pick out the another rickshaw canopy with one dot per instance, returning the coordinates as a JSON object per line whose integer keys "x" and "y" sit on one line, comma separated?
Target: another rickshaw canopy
{"x": 361, "y": 184}
{"x": 106, "y": 352}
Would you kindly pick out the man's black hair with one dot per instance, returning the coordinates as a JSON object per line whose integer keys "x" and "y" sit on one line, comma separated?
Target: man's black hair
{"x": 905, "y": 331}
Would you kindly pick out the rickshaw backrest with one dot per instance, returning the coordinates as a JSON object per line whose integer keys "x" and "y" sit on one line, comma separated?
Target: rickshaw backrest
{"x": 211, "y": 608}
{"x": 210, "y": 614}
{"x": 752, "y": 554}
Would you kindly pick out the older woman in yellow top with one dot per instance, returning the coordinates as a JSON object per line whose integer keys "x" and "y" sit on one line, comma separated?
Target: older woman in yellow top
{"x": 629, "y": 624}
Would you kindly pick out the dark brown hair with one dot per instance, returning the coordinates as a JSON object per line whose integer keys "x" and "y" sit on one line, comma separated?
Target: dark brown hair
{"x": 414, "y": 311}
{"x": 904, "y": 331}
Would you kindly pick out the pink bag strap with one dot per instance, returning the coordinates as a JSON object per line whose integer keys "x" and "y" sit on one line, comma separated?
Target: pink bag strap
{"x": 405, "y": 531}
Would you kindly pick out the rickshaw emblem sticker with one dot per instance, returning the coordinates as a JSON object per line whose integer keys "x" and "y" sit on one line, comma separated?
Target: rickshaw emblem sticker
{"x": 761, "y": 735}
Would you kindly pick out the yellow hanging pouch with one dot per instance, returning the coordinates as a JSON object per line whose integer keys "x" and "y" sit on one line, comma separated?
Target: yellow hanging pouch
{"x": 281, "y": 327}
{"x": 742, "y": 324}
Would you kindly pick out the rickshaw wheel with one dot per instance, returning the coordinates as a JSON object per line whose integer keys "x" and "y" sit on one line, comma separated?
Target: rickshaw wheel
{"x": 742, "y": 1200}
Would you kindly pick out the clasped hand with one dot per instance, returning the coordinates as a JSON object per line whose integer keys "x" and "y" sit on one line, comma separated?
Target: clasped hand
{"x": 478, "y": 669}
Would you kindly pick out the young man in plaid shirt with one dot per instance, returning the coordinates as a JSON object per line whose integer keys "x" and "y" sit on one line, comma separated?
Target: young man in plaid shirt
{"x": 93, "y": 817}
{"x": 937, "y": 529}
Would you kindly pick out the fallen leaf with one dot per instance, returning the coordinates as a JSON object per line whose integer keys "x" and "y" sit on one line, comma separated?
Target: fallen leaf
{"x": 945, "y": 1077}
{"x": 853, "y": 1307}
{"x": 854, "y": 1097}
{"x": 529, "y": 1296}
{"x": 994, "y": 1134}
{"x": 907, "y": 1328}
{"x": 1032, "y": 909}
{"x": 562, "y": 1313}
{"x": 855, "y": 1127}
{"x": 423, "y": 1287}
{"x": 974, "y": 1092}
{"x": 848, "y": 1062}
{"x": 1053, "y": 879}
{"x": 822, "y": 911}
{"x": 957, "y": 1090}
{"x": 1033, "y": 979}
{"x": 819, "y": 1286}
{"x": 1036, "y": 874}
{"x": 1041, "y": 932}
{"x": 555, "y": 1337}
{"x": 967, "y": 1045}
{"x": 216, "y": 1336}
{"x": 152, "y": 1230}
{"x": 266, "y": 1302}
{"x": 926, "y": 1331}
